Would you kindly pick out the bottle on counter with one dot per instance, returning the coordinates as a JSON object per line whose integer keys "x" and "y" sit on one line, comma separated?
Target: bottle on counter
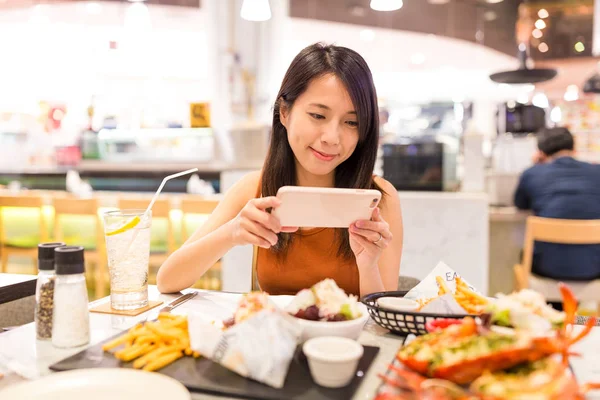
{"x": 71, "y": 320}
{"x": 44, "y": 290}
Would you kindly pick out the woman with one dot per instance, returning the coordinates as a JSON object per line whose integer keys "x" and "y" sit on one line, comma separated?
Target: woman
{"x": 325, "y": 134}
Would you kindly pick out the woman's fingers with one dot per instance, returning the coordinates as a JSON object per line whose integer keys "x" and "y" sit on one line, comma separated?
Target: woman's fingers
{"x": 255, "y": 240}
{"x": 262, "y": 203}
{"x": 365, "y": 243}
{"x": 372, "y": 236}
{"x": 261, "y": 231}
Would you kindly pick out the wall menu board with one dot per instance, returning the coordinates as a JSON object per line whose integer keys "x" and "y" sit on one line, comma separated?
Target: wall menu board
{"x": 199, "y": 115}
{"x": 582, "y": 117}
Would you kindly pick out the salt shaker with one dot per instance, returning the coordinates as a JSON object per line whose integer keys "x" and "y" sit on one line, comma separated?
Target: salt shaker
{"x": 44, "y": 290}
{"x": 71, "y": 319}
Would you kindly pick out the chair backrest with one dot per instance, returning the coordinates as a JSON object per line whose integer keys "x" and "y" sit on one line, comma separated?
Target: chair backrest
{"x": 191, "y": 205}
{"x": 563, "y": 231}
{"x": 75, "y": 206}
{"x": 160, "y": 209}
{"x": 23, "y": 202}
{"x": 254, "y": 283}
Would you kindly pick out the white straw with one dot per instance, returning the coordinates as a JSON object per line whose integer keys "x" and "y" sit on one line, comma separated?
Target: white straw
{"x": 189, "y": 171}
{"x": 136, "y": 228}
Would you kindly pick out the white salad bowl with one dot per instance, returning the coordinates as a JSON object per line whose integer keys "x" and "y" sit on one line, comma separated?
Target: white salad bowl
{"x": 348, "y": 329}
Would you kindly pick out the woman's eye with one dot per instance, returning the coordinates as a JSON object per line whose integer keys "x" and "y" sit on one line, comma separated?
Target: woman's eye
{"x": 353, "y": 124}
{"x": 316, "y": 116}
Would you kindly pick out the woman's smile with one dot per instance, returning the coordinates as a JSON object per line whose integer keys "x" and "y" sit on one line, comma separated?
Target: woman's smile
{"x": 322, "y": 156}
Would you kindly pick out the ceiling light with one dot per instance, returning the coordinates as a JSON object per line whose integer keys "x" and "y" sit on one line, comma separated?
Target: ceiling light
{"x": 137, "y": 17}
{"x": 540, "y": 24}
{"x": 358, "y": 11}
{"x": 543, "y": 13}
{"x": 524, "y": 74}
{"x": 572, "y": 93}
{"x": 556, "y": 115}
{"x": 493, "y": 1}
{"x": 543, "y": 47}
{"x": 256, "y": 10}
{"x": 537, "y": 33}
{"x": 417, "y": 58}
{"x": 579, "y": 47}
{"x": 438, "y": 1}
{"x": 540, "y": 100}
{"x": 93, "y": 8}
{"x": 386, "y": 5}
{"x": 490, "y": 16}
{"x": 367, "y": 35}
{"x": 523, "y": 98}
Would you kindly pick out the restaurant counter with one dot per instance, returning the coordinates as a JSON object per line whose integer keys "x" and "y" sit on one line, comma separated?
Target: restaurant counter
{"x": 126, "y": 177}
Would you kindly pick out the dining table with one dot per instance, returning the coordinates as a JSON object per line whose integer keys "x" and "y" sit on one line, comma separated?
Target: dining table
{"x": 22, "y": 357}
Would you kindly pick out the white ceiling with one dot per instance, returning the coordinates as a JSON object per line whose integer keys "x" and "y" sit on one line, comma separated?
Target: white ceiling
{"x": 447, "y": 68}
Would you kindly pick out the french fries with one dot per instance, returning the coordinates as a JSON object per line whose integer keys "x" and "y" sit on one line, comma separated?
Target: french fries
{"x": 153, "y": 345}
{"x": 472, "y": 302}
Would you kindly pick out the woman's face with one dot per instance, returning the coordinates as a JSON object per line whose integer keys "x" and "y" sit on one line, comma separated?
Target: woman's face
{"x": 322, "y": 126}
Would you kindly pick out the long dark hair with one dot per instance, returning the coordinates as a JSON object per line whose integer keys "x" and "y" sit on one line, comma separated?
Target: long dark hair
{"x": 357, "y": 171}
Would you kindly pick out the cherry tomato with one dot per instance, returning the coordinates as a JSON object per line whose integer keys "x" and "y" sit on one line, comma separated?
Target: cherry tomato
{"x": 441, "y": 323}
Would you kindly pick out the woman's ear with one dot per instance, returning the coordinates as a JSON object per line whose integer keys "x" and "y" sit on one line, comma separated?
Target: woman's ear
{"x": 284, "y": 114}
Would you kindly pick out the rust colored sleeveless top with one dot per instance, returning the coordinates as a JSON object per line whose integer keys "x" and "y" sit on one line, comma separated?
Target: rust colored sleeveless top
{"x": 311, "y": 257}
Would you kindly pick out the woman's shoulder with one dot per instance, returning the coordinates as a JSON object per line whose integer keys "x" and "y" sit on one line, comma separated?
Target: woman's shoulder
{"x": 248, "y": 185}
{"x": 244, "y": 189}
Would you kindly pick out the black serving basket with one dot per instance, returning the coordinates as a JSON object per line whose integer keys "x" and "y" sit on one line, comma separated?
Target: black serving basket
{"x": 401, "y": 322}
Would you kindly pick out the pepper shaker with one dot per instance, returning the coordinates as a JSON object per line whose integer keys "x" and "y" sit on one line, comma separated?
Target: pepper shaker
{"x": 44, "y": 290}
{"x": 71, "y": 320}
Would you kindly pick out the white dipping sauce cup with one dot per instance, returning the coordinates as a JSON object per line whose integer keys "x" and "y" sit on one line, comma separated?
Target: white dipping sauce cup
{"x": 332, "y": 360}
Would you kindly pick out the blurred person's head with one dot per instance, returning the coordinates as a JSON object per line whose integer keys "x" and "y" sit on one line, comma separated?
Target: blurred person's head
{"x": 325, "y": 124}
{"x": 555, "y": 142}
{"x": 325, "y": 121}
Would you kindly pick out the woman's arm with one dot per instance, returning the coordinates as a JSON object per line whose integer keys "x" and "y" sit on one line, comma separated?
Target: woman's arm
{"x": 383, "y": 276}
{"x": 209, "y": 243}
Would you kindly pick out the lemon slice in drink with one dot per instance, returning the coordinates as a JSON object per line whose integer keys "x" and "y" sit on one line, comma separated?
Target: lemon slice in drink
{"x": 129, "y": 225}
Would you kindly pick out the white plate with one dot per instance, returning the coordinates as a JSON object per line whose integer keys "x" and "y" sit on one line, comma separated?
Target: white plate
{"x": 99, "y": 384}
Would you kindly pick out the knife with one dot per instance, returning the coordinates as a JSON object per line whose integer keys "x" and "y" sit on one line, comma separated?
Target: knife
{"x": 178, "y": 301}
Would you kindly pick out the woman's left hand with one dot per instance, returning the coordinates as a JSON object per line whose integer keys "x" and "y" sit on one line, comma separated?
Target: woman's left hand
{"x": 368, "y": 239}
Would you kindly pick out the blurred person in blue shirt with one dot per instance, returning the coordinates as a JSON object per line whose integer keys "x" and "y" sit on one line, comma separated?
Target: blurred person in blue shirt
{"x": 559, "y": 186}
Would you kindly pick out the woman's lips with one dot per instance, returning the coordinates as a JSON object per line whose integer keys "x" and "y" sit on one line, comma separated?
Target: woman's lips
{"x": 322, "y": 156}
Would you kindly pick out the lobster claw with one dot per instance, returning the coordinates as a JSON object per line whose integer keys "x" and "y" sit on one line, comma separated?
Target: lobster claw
{"x": 569, "y": 304}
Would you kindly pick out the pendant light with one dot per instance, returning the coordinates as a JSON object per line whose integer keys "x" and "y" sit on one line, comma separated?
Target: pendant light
{"x": 256, "y": 10}
{"x": 386, "y": 5}
{"x": 524, "y": 74}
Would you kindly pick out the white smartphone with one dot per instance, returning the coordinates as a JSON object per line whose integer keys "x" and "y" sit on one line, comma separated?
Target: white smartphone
{"x": 312, "y": 207}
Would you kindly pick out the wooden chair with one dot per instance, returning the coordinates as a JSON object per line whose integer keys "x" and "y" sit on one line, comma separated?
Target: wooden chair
{"x": 66, "y": 206}
{"x": 8, "y": 249}
{"x": 254, "y": 284}
{"x": 160, "y": 210}
{"x": 199, "y": 206}
{"x": 561, "y": 231}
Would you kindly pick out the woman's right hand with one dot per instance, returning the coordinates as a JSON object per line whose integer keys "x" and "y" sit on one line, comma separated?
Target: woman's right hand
{"x": 255, "y": 226}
